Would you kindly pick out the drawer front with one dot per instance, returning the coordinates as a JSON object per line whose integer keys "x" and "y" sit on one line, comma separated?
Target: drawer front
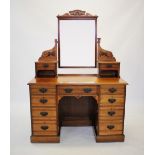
{"x": 44, "y": 113}
{"x": 111, "y": 113}
{"x": 44, "y": 128}
{"x": 112, "y": 89}
{"x": 45, "y": 66}
{"x": 112, "y": 100}
{"x": 77, "y": 90}
{"x": 109, "y": 66}
{"x": 43, "y": 90}
{"x": 45, "y": 101}
{"x": 110, "y": 128}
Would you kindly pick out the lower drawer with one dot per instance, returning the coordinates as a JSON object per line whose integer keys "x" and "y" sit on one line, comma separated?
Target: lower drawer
{"x": 44, "y": 128}
{"x": 44, "y": 113}
{"x": 112, "y": 100}
{"x": 41, "y": 100}
{"x": 111, "y": 113}
{"x": 110, "y": 127}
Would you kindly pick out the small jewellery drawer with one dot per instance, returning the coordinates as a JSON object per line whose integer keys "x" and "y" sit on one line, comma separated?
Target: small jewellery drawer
{"x": 111, "y": 113}
{"x": 45, "y": 66}
{"x": 112, "y": 100}
{"x": 109, "y": 66}
{"x": 42, "y": 89}
{"x": 110, "y": 127}
{"x": 44, "y": 113}
{"x": 78, "y": 90}
{"x": 44, "y": 128}
{"x": 45, "y": 101}
{"x": 112, "y": 89}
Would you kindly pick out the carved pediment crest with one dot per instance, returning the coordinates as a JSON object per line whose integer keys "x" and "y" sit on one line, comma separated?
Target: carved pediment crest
{"x": 77, "y": 13}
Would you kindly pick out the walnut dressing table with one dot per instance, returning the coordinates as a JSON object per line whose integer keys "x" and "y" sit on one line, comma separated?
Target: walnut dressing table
{"x": 96, "y": 100}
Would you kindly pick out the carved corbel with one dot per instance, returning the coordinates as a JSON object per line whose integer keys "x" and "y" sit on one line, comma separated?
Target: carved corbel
{"x": 59, "y": 98}
{"x": 96, "y": 98}
{"x": 104, "y": 55}
{"x": 49, "y": 55}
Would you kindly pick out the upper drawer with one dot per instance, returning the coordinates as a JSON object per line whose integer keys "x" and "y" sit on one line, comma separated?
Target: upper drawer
{"x": 42, "y": 89}
{"x": 112, "y": 89}
{"x": 45, "y": 66}
{"x": 109, "y": 66}
{"x": 77, "y": 90}
{"x": 45, "y": 101}
{"x": 112, "y": 100}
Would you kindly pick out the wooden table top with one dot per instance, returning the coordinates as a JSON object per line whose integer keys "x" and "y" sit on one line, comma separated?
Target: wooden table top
{"x": 77, "y": 80}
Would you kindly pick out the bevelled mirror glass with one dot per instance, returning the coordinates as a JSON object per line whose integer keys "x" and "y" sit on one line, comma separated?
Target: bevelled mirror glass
{"x": 77, "y": 42}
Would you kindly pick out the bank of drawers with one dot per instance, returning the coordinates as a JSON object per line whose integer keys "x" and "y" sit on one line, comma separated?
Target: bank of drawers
{"x": 43, "y": 110}
{"x": 111, "y": 109}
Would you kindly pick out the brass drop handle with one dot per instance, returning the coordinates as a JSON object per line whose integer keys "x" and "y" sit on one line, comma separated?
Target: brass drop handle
{"x": 46, "y": 65}
{"x": 109, "y": 65}
{"x": 110, "y": 127}
{"x": 43, "y": 90}
{"x": 112, "y": 100}
{"x": 111, "y": 113}
{"x": 87, "y": 90}
{"x": 68, "y": 90}
{"x": 112, "y": 90}
{"x": 43, "y": 113}
{"x": 44, "y": 127}
{"x": 43, "y": 100}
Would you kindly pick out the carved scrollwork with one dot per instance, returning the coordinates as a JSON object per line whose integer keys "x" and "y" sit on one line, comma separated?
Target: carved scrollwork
{"x": 104, "y": 55}
{"x": 49, "y": 55}
{"x": 61, "y": 96}
{"x": 77, "y": 13}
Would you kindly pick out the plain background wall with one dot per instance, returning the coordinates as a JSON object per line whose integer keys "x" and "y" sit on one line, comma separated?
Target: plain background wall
{"x": 34, "y": 27}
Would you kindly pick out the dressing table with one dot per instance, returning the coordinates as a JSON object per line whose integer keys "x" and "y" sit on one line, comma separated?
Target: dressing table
{"x": 96, "y": 100}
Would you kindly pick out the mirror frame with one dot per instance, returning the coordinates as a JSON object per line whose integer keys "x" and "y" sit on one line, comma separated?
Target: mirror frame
{"x": 77, "y": 15}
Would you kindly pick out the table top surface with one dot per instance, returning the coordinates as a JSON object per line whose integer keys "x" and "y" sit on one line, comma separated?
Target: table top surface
{"x": 77, "y": 80}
